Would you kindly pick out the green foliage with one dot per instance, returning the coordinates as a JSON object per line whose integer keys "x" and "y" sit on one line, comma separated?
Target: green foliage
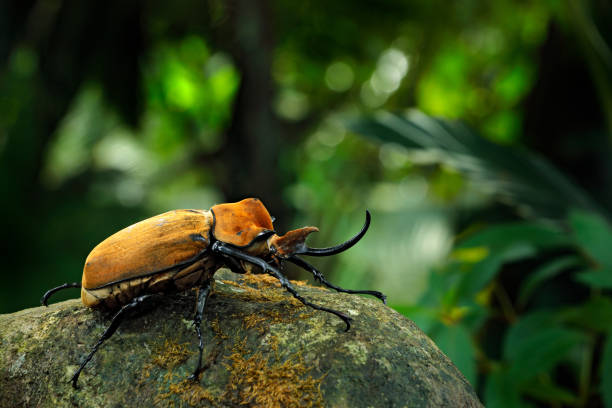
{"x": 106, "y": 118}
{"x": 507, "y": 275}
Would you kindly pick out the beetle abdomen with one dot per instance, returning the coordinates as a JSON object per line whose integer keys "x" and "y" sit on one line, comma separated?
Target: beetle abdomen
{"x": 147, "y": 257}
{"x": 175, "y": 280}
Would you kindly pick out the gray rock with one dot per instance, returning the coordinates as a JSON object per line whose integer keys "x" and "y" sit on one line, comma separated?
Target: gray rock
{"x": 262, "y": 348}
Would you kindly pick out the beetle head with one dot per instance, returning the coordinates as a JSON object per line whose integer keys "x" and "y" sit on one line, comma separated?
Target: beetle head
{"x": 293, "y": 242}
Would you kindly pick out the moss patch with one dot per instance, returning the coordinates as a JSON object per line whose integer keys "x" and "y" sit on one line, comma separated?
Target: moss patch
{"x": 260, "y": 381}
{"x": 171, "y": 354}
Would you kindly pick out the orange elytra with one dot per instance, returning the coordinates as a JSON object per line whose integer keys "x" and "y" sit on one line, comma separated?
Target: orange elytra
{"x": 182, "y": 249}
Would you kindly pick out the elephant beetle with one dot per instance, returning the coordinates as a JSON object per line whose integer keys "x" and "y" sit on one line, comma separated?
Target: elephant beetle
{"x": 182, "y": 249}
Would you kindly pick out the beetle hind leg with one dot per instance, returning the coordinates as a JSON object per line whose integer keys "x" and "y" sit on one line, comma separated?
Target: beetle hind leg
{"x": 110, "y": 330}
{"x": 47, "y": 295}
{"x": 197, "y": 322}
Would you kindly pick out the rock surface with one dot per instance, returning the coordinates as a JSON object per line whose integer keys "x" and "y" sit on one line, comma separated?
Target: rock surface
{"x": 262, "y": 348}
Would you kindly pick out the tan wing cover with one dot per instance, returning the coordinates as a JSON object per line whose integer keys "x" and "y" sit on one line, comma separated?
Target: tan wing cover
{"x": 151, "y": 245}
{"x": 240, "y": 223}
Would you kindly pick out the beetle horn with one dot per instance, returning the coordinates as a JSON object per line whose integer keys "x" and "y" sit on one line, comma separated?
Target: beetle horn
{"x": 338, "y": 248}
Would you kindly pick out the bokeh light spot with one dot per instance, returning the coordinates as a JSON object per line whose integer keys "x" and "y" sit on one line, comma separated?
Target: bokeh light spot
{"x": 339, "y": 76}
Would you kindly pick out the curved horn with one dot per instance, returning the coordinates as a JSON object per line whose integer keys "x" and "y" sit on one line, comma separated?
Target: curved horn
{"x": 338, "y": 248}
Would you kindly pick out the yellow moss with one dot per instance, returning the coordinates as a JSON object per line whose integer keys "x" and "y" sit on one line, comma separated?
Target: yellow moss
{"x": 255, "y": 320}
{"x": 187, "y": 391}
{"x": 265, "y": 288}
{"x": 171, "y": 354}
{"x": 263, "y": 281}
{"x": 260, "y": 281}
{"x": 265, "y": 294}
{"x": 258, "y": 381}
{"x": 214, "y": 325}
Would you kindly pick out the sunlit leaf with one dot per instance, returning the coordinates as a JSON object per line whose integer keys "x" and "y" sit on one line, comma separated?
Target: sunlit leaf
{"x": 470, "y": 255}
{"x": 484, "y": 271}
{"x": 593, "y": 234}
{"x": 543, "y": 273}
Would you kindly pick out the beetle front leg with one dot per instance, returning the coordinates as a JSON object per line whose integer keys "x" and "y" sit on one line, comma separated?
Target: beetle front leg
{"x": 110, "y": 330}
{"x": 197, "y": 322}
{"x": 227, "y": 250}
{"x": 319, "y": 276}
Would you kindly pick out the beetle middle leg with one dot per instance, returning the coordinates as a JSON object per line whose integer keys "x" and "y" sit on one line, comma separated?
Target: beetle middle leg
{"x": 230, "y": 251}
{"x": 110, "y": 330}
{"x": 197, "y": 322}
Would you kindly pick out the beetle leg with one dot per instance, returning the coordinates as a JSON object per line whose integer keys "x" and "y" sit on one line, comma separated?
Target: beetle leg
{"x": 234, "y": 265}
{"x": 110, "y": 330}
{"x": 319, "y": 276}
{"x": 227, "y": 250}
{"x": 43, "y": 300}
{"x": 197, "y": 322}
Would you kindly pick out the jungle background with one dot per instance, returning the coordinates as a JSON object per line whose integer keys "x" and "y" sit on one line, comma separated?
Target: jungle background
{"x": 477, "y": 133}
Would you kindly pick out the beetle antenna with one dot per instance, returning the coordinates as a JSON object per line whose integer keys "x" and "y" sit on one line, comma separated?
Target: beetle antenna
{"x": 230, "y": 251}
{"x": 319, "y": 277}
{"x": 338, "y": 248}
{"x": 47, "y": 295}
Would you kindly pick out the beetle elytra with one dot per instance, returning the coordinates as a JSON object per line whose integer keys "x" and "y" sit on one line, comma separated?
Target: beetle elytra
{"x": 182, "y": 249}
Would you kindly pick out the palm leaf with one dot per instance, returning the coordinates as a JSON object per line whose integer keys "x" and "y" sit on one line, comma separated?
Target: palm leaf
{"x": 518, "y": 177}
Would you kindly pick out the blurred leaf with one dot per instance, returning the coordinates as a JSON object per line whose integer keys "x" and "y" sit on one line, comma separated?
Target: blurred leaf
{"x": 484, "y": 271}
{"x": 596, "y": 314}
{"x": 536, "y": 343}
{"x": 550, "y": 393}
{"x": 524, "y": 179}
{"x": 423, "y": 317}
{"x": 527, "y": 326}
{"x": 593, "y": 233}
{"x": 501, "y": 393}
{"x": 547, "y": 271}
{"x": 504, "y": 235}
{"x": 606, "y": 372}
{"x": 456, "y": 342}
{"x": 601, "y": 279}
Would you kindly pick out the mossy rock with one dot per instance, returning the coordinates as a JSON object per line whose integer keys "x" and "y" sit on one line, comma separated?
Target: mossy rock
{"x": 262, "y": 348}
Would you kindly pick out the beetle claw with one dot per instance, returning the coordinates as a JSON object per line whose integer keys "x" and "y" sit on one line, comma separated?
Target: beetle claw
{"x": 195, "y": 377}
{"x": 347, "y": 320}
